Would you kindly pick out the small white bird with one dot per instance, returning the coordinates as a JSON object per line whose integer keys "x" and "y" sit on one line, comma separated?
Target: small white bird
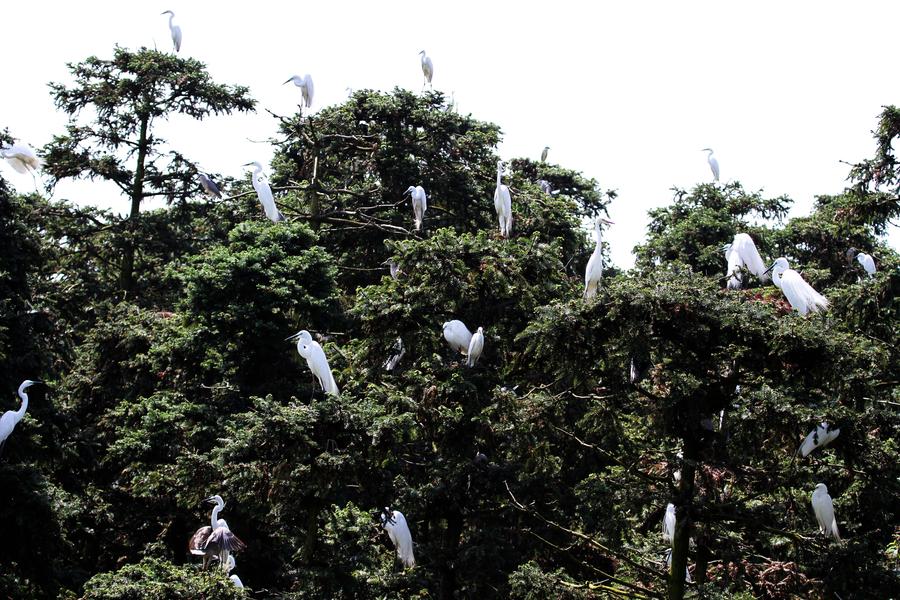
{"x": 11, "y": 418}
{"x": 742, "y": 252}
{"x": 305, "y": 83}
{"x": 264, "y": 193}
{"x": 21, "y": 157}
{"x": 503, "y": 204}
{"x": 315, "y": 358}
{"x": 824, "y": 509}
{"x": 713, "y": 163}
{"x": 476, "y": 345}
{"x": 668, "y": 525}
{"x": 398, "y": 531}
{"x": 175, "y": 29}
{"x": 801, "y": 296}
{"x": 419, "y": 202}
{"x": 216, "y": 539}
{"x": 427, "y": 68}
{"x": 209, "y": 186}
{"x": 544, "y": 153}
{"x": 457, "y": 335}
{"x": 229, "y": 568}
{"x": 593, "y": 273}
{"x": 867, "y": 262}
{"x": 822, "y": 435}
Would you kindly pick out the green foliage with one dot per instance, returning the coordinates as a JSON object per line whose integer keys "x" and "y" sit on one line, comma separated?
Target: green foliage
{"x": 154, "y": 579}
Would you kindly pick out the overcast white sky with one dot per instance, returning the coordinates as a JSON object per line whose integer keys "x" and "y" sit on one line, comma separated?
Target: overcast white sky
{"x": 627, "y": 92}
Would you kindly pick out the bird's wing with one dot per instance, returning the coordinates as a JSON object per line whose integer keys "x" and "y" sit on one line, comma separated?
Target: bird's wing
{"x": 17, "y": 163}
{"x": 669, "y": 524}
{"x": 809, "y": 444}
{"x": 714, "y": 165}
{"x": 745, "y": 248}
{"x": 476, "y": 345}
{"x": 223, "y": 539}
{"x": 824, "y": 509}
{"x": 800, "y": 294}
{"x": 176, "y": 37}
{"x": 403, "y": 540}
{"x": 266, "y": 199}
{"x": 198, "y": 541}
{"x": 310, "y": 90}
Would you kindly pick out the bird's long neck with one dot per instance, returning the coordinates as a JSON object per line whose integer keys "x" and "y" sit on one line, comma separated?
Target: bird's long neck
{"x": 214, "y": 517}
{"x": 21, "y": 412}
{"x": 499, "y": 172}
{"x": 170, "y": 19}
{"x": 599, "y": 247}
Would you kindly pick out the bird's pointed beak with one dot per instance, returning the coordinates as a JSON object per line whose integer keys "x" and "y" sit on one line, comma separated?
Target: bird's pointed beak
{"x": 210, "y": 499}
{"x": 769, "y": 270}
{"x": 292, "y": 337}
{"x": 288, "y": 81}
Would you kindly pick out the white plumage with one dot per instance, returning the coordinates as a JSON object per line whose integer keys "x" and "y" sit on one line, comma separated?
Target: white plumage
{"x": 503, "y": 203}
{"x": 457, "y": 335}
{"x": 544, "y": 153}
{"x": 264, "y": 193}
{"x": 713, "y": 163}
{"x": 419, "y": 202}
{"x": 11, "y": 418}
{"x": 21, "y": 157}
{"x": 305, "y": 83}
{"x": 476, "y": 345}
{"x": 427, "y": 68}
{"x": 175, "y": 29}
{"x": 593, "y": 273}
{"x": 399, "y": 533}
{"x": 824, "y": 509}
{"x": 867, "y": 262}
{"x": 742, "y": 252}
{"x": 801, "y": 296}
{"x": 316, "y": 360}
{"x": 822, "y": 435}
{"x": 668, "y": 525}
{"x": 229, "y": 568}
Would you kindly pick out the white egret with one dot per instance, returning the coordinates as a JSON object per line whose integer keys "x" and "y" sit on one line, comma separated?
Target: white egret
{"x": 742, "y": 252}
{"x": 216, "y": 539}
{"x": 264, "y": 193}
{"x": 544, "y": 153}
{"x": 822, "y": 435}
{"x": 21, "y": 157}
{"x": 398, "y": 531}
{"x": 476, "y": 345}
{"x": 668, "y": 525}
{"x": 11, "y": 418}
{"x": 593, "y": 273}
{"x": 801, "y": 296}
{"x": 427, "y": 68}
{"x": 397, "y": 355}
{"x": 824, "y": 509}
{"x": 457, "y": 335}
{"x": 175, "y": 29}
{"x": 209, "y": 186}
{"x": 315, "y": 358}
{"x": 867, "y": 262}
{"x": 687, "y": 574}
{"x": 713, "y": 163}
{"x": 503, "y": 203}
{"x": 305, "y": 83}
{"x": 229, "y": 567}
{"x": 419, "y": 202}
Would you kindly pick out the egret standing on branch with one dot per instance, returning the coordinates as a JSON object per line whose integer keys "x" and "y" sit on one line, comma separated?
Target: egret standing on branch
{"x": 822, "y": 435}
{"x": 544, "y": 153}
{"x": 742, "y": 252}
{"x": 824, "y": 509}
{"x": 458, "y": 335}
{"x": 175, "y": 29}
{"x": 305, "y": 84}
{"x": 503, "y": 204}
{"x": 395, "y": 524}
{"x": 264, "y": 193}
{"x": 215, "y": 540}
{"x": 315, "y": 358}
{"x": 476, "y": 345}
{"x": 419, "y": 202}
{"x": 713, "y": 163}
{"x": 427, "y": 69}
{"x": 209, "y": 186}
{"x": 593, "y": 273}
{"x": 11, "y": 418}
{"x": 229, "y": 567}
{"x": 801, "y": 296}
{"x": 866, "y": 260}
